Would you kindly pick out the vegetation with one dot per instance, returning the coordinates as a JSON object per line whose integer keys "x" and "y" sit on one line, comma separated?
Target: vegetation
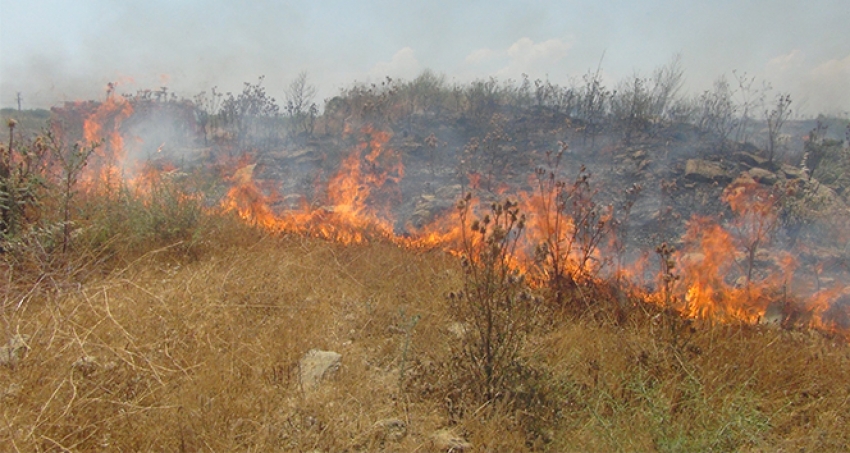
{"x": 144, "y": 313}
{"x": 153, "y": 352}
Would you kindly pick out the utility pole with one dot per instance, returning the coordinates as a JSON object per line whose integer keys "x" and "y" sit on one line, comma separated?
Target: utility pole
{"x": 19, "y": 101}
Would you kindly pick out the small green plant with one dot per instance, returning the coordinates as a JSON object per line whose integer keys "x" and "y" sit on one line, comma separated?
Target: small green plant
{"x": 71, "y": 160}
{"x": 22, "y": 180}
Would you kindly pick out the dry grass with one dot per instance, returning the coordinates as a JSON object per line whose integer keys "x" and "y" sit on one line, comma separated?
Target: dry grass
{"x": 178, "y": 353}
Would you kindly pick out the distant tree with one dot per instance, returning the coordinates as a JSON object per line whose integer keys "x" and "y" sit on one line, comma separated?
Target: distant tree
{"x": 250, "y": 115}
{"x": 482, "y": 98}
{"x": 749, "y": 98}
{"x": 776, "y": 119}
{"x": 666, "y": 81}
{"x": 717, "y": 111}
{"x": 301, "y": 109}
{"x": 426, "y": 93}
{"x": 594, "y": 104}
{"x": 631, "y": 106}
{"x": 206, "y": 111}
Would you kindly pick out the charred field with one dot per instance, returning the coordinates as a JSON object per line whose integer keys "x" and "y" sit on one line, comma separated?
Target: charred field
{"x": 499, "y": 266}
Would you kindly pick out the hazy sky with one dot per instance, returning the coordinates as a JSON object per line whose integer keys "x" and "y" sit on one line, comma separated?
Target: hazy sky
{"x": 56, "y": 50}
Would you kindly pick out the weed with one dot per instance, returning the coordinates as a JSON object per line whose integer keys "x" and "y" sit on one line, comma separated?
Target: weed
{"x": 493, "y": 306}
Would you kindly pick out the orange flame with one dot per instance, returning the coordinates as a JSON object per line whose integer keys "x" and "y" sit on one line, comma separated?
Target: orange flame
{"x": 717, "y": 281}
{"x": 103, "y": 127}
{"x": 359, "y": 197}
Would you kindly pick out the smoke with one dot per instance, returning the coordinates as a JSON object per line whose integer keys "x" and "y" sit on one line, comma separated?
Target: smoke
{"x": 54, "y": 51}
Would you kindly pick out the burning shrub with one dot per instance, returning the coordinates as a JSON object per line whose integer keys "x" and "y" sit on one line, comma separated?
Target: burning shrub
{"x": 161, "y": 207}
{"x": 567, "y": 228}
{"x": 494, "y": 305}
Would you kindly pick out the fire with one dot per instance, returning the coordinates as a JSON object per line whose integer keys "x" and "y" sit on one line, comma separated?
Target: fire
{"x": 561, "y": 242}
{"x": 717, "y": 283}
{"x": 719, "y": 261}
{"x": 102, "y": 126}
{"x": 359, "y": 197}
{"x": 707, "y": 263}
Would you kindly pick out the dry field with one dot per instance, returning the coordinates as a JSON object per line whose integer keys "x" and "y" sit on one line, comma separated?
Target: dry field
{"x": 177, "y": 351}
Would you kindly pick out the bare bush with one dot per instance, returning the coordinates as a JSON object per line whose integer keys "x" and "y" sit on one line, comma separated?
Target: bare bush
{"x": 300, "y": 108}
{"x": 776, "y": 118}
{"x": 251, "y": 116}
{"x": 716, "y": 111}
{"x": 568, "y": 228}
{"x": 493, "y": 306}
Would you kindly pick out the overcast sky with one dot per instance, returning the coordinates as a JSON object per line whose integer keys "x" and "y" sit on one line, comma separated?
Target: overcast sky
{"x": 57, "y": 50}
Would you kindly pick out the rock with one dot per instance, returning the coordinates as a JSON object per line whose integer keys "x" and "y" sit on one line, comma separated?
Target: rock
{"x": 449, "y": 192}
{"x": 751, "y": 159}
{"x": 792, "y": 172}
{"x": 14, "y": 350}
{"x": 763, "y": 176}
{"x": 85, "y": 365}
{"x": 828, "y": 197}
{"x": 392, "y": 429}
{"x": 458, "y": 330}
{"x": 705, "y": 171}
{"x": 430, "y": 207}
{"x": 774, "y": 315}
{"x": 13, "y": 391}
{"x": 447, "y": 440}
{"x": 317, "y": 366}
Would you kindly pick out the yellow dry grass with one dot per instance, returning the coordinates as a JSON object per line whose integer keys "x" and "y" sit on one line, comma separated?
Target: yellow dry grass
{"x": 171, "y": 353}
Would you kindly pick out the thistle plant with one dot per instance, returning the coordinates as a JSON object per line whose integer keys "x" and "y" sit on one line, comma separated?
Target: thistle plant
{"x": 493, "y": 305}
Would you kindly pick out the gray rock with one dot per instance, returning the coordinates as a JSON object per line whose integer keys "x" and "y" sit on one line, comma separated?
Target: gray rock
{"x": 763, "y": 176}
{"x": 317, "y": 366}
{"x": 450, "y": 192}
{"x": 14, "y": 350}
{"x": 751, "y": 159}
{"x": 13, "y": 391}
{"x": 85, "y": 365}
{"x": 458, "y": 330}
{"x": 392, "y": 429}
{"x": 792, "y": 172}
{"x": 700, "y": 170}
{"x": 428, "y": 208}
{"x": 774, "y": 315}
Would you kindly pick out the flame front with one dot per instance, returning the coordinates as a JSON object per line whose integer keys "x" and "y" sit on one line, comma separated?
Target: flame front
{"x": 359, "y": 197}
{"x": 102, "y": 127}
{"x": 716, "y": 267}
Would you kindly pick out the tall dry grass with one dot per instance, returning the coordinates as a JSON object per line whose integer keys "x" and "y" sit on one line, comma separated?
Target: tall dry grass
{"x": 177, "y": 353}
{"x": 173, "y": 356}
